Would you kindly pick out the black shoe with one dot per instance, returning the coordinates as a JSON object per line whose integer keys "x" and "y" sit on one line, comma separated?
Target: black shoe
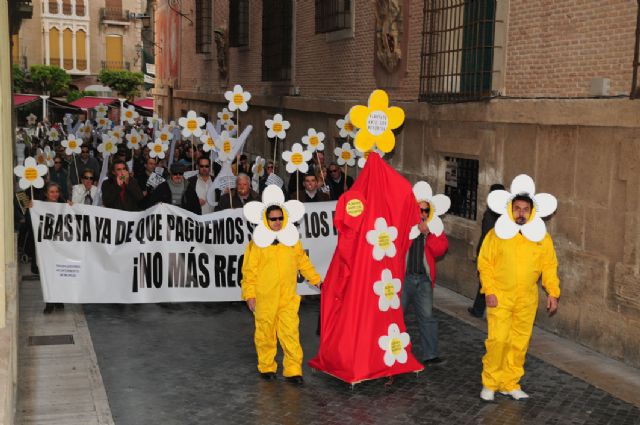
{"x": 297, "y": 380}
{"x": 48, "y": 308}
{"x": 268, "y": 376}
{"x": 436, "y": 361}
{"x": 473, "y": 313}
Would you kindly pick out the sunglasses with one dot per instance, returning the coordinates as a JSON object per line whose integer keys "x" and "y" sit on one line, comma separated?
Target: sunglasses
{"x": 425, "y": 210}
{"x": 203, "y": 166}
{"x": 280, "y": 218}
{"x": 87, "y": 178}
{"x": 178, "y": 174}
{"x": 57, "y": 162}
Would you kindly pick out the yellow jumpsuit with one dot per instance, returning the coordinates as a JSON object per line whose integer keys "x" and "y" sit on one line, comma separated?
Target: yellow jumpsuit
{"x": 270, "y": 276}
{"x": 510, "y": 269}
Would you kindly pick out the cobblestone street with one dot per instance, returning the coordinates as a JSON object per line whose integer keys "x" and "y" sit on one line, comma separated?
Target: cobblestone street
{"x": 195, "y": 364}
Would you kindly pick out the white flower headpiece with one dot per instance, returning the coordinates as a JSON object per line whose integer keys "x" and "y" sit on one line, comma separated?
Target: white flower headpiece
{"x": 438, "y": 205}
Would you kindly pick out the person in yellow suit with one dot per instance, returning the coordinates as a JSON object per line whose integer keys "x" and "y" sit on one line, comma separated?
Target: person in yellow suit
{"x": 509, "y": 272}
{"x": 269, "y": 288}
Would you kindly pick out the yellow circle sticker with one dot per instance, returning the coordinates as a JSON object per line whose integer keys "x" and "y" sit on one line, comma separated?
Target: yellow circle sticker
{"x": 355, "y": 207}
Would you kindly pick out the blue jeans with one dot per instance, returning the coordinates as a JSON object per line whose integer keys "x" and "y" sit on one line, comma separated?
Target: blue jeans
{"x": 417, "y": 291}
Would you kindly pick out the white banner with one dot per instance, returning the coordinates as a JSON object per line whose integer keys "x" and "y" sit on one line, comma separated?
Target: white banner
{"x": 90, "y": 254}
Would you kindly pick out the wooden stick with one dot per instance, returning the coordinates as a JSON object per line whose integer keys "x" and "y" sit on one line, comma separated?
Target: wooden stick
{"x": 320, "y": 168}
{"x": 297, "y": 185}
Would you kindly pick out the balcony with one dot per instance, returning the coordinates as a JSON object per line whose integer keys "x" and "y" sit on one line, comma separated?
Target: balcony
{"x": 114, "y": 15}
{"x": 115, "y": 65}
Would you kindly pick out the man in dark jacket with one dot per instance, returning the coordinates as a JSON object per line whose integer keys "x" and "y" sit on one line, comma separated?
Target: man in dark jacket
{"x": 239, "y": 196}
{"x": 336, "y": 181}
{"x": 120, "y": 190}
{"x": 311, "y": 192}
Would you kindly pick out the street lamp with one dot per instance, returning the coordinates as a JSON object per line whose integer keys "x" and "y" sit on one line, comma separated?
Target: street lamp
{"x": 145, "y": 19}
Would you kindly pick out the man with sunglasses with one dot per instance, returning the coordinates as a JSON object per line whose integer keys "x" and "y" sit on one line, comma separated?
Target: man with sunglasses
{"x": 59, "y": 175}
{"x": 121, "y": 191}
{"x": 83, "y": 161}
{"x": 85, "y": 192}
{"x": 417, "y": 289}
{"x": 197, "y": 188}
{"x": 336, "y": 181}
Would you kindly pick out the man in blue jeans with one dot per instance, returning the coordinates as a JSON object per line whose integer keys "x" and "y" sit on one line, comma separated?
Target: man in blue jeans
{"x": 419, "y": 282}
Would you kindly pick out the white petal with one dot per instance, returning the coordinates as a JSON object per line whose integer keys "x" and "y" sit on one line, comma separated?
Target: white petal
{"x": 435, "y": 225}
{"x": 404, "y": 338}
{"x": 186, "y": 132}
{"x": 306, "y": 155}
{"x": 498, "y": 201}
{"x": 272, "y": 195}
{"x": 262, "y": 236}
{"x": 351, "y": 162}
{"x": 383, "y": 342}
{"x": 386, "y": 275}
{"x": 18, "y": 170}
{"x": 402, "y": 356}
{"x": 392, "y": 232}
{"x": 534, "y": 230}
{"x": 397, "y": 285}
{"x": 295, "y": 210}
{"x": 372, "y": 236}
{"x": 380, "y": 224}
{"x": 383, "y": 304}
{"x": 304, "y": 167}
{"x": 441, "y": 204}
{"x": 182, "y": 121}
{"x": 378, "y": 287}
{"x": 253, "y": 211}
{"x": 389, "y": 359}
{"x": 391, "y": 251}
{"x": 286, "y": 125}
{"x": 320, "y": 147}
{"x": 545, "y": 203}
{"x": 291, "y": 168}
{"x": 289, "y": 236}
{"x": 422, "y": 191}
{"x": 395, "y": 302}
{"x": 286, "y": 155}
{"x": 24, "y": 183}
{"x": 271, "y": 134}
{"x": 505, "y": 227}
{"x": 378, "y": 253}
{"x": 523, "y": 184}
{"x": 42, "y": 169}
{"x": 247, "y": 96}
{"x": 29, "y": 162}
{"x": 243, "y": 107}
{"x": 38, "y": 183}
{"x": 393, "y": 331}
{"x": 414, "y": 233}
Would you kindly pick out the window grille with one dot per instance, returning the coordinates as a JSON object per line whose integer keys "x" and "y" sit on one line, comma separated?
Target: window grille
{"x": 332, "y": 15}
{"x": 461, "y": 186}
{"x": 53, "y": 7}
{"x": 238, "y": 23}
{"x": 204, "y": 30}
{"x": 457, "y": 50}
{"x": 277, "y": 16}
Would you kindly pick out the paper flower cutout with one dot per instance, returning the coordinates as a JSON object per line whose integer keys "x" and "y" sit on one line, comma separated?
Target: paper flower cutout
{"x": 191, "y": 124}
{"x": 53, "y": 134}
{"x": 438, "y": 205}
{"x": 394, "y": 344}
{"x": 225, "y": 116}
{"x": 277, "y": 127}
{"x": 133, "y": 139}
{"x": 117, "y": 133}
{"x": 31, "y": 119}
{"x": 224, "y": 146}
{"x": 165, "y": 135}
{"x": 382, "y": 238}
{"x": 256, "y": 212}
{"x": 387, "y": 289}
{"x": 49, "y": 155}
{"x": 84, "y": 130}
{"x": 157, "y": 150}
{"x": 297, "y": 159}
{"x": 72, "y": 145}
{"x": 130, "y": 114}
{"x": 153, "y": 120}
{"x": 313, "y": 140}
{"x": 376, "y": 122}
{"x": 144, "y": 139}
{"x": 231, "y": 128}
{"x": 40, "y": 159}
{"x": 345, "y": 155}
{"x": 365, "y": 155}
{"x": 108, "y": 146}
{"x": 31, "y": 174}
{"x": 544, "y": 204}
{"x": 103, "y": 122}
{"x": 238, "y": 98}
{"x": 207, "y": 142}
{"x": 347, "y": 129}
{"x": 101, "y": 109}
{"x": 258, "y": 167}
{"x": 67, "y": 119}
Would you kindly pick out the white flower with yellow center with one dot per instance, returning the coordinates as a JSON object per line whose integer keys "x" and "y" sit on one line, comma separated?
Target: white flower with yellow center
{"x": 500, "y": 201}
{"x": 297, "y": 159}
{"x": 347, "y": 129}
{"x": 238, "y": 98}
{"x": 313, "y": 140}
{"x": 84, "y": 130}
{"x": 108, "y": 145}
{"x": 101, "y": 109}
{"x": 40, "y": 159}
{"x": 225, "y": 146}
{"x": 157, "y": 150}
{"x": 258, "y": 167}
{"x": 387, "y": 289}
{"x": 72, "y": 145}
{"x": 256, "y": 213}
{"x": 130, "y": 114}
{"x": 49, "y": 156}
{"x": 345, "y": 155}
{"x": 31, "y": 119}
{"x": 394, "y": 345}
{"x": 231, "y": 128}
{"x": 363, "y": 156}
{"x": 277, "y": 127}
{"x": 191, "y": 124}
{"x": 225, "y": 116}
{"x": 117, "y": 133}
{"x": 30, "y": 173}
{"x": 165, "y": 135}
{"x": 208, "y": 143}
{"x": 438, "y": 205}
{"x": 53, "y": 135}
{"x": 382, "y": 238}
{"x": 103, "y": 122}
{"x": 133, "y": 139}
{"x": 153, "y": 120}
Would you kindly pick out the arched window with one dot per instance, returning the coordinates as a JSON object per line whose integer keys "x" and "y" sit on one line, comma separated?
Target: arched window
{"x": 81, "y": 50}
{"x": 67, "y": 48}
{"x": 66, "y": 7}
{"x": 80, "y": 9}
{"x": 54, "y": 47}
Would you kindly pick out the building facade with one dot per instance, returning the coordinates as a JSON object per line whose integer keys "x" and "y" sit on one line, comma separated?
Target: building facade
{"x": 491, "y": 89}
{"x": 82, "y": 37}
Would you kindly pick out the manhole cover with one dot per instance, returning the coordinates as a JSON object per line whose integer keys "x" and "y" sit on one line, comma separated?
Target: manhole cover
{"x": 51, "y": 340}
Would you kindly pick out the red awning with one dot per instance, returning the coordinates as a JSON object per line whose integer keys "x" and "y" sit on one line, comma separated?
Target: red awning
{"x": 23, "y": 99}
{"x": 90, "y": 102}
{"x": 146, "y": 103}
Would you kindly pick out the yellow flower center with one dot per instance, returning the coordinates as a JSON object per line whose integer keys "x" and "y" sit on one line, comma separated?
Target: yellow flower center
{"x": 377, "y": 123}
{"x": 238, "y": 98}
{"x": 210, "y": 142}
{"x": 366, "y": 155}
{"x": 230, "y": 127}
{"x": 277, "y": 127}
{"x": 389, "y": 291}
{"x": 192, "y": 125}
{"x": 116, "y": 134}
{"x": 313, "y": 140}
{"x": 164, "y": 137}
{"x": 346, "y": 155}
{"x": 73, "y": 144}
{"x": 157, "y": 148}
{"x": 40, "y": 159}
{"x": 348, "y": 126}
{"x": 259, "y": 169}
{"x": 129, "y": 114}
{"x": 384, "y": 241}
{"x": 108, "y": 146}
{"x": 31, "y": 173}
{"x": 226, "y": 146}
{"x": 134, "y": 140}
{"x": 395, "y": 346}
{"x": 297, "y": 158}
{"x": 225, "y": 117}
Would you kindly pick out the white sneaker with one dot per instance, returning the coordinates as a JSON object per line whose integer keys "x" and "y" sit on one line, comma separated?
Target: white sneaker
{"x": 486, "y": 394}
{"x": 516, "y": 394}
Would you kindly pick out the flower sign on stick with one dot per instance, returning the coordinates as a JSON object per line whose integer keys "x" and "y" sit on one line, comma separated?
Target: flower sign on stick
{"x": 157, "y": 150}
{"x": 276, "y": 129}
{"x": 191, "y": 124}
{"x": 346, "y": 127}
{"x": 376, "y": 122}
{"x": 130, "y": 114}
{"x": 133, "y": 139}
{"x": 345, "y": 155}
{"x": 109, "y": 146}
{"x": 225, "y": 116}
{"x": 225, "y": 145}
{"x": 238, "y": 99}
{"x": 30, "y": 174}
{"x": 72, "y": 145}
{"x": 296, "y": 160}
